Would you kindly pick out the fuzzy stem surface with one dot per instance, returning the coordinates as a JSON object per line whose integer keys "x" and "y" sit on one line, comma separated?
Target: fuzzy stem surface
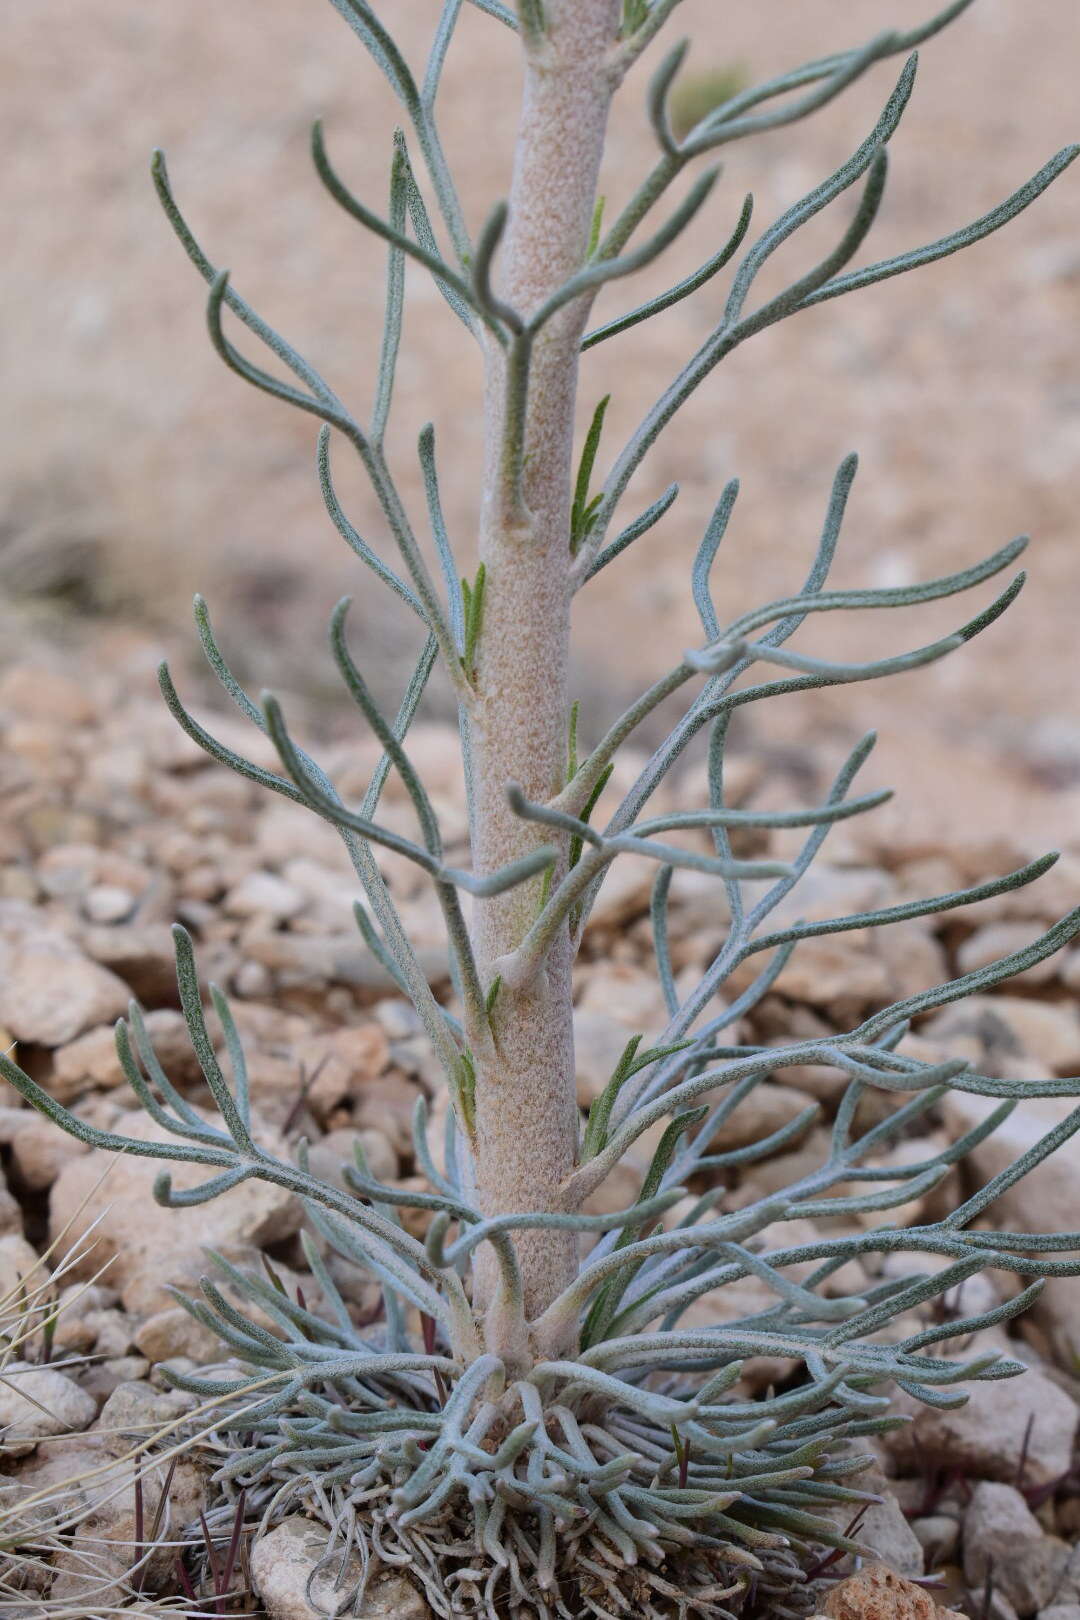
{"x": 526, "y": 1135}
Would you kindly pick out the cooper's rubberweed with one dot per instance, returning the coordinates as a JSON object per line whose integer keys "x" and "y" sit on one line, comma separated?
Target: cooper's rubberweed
{"x": 530, "y": 1418}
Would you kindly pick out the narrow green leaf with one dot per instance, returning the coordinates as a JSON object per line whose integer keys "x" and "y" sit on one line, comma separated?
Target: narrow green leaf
{"x": 600, "y": 1112}
{"x": 596, "y": 228}
{"x": 578, "y": 511}
{"x": 571, "y": 747}
{"x": 531, "y": 13}
{"x": 606, "y": 1303}
{"x": 601, "y": 783}
{"x": 473, "y": 601}
{"x": 465, "y": 1091}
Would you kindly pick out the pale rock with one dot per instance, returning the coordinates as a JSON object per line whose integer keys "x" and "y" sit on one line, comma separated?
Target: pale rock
{"x": 39, "y": 1152}
{"x": 253, "y": 981}
{"x": 1003, "y": 1421}
{"x": 49, "y": 824}
{"x": 263, "y": 894}
{"x": 743, "y": 775}
{"x": 69, "y": 869}
{"x": 817, "y": 1080}
{"x": 141, "y": 953}
{"x": 19, "y": 1266}
{"x": 929, "y": 875}
{"x": 135, "y": 1412}
{"x": 1068, "y": 1588}
{"x": 1041, "y": 904}
{"x": 49, "y": 991}
{"x": 105, "y": 1542}
{"x": 435, "y": 752}
{"x": 775, "y": 1174}
{"x": 348, "y": 1061}
{"x": 726, "y": 1306}
{"x": 997, "y": 940}
{"x": 80, "y": 1307}
{"x": 36, "y": 1402}
{"x": 697, "y": 908}
{"x": 312, "y": 961}
{"x": 625, "y": 893}
{"x": 327, "y": 890}
{"x": 34, "y": 693}
{"x": 849, "y": 1280}
{"x": 398, "y": 1019}
{"x": 329, "y": 1156}
{"x": 13, "y": 1112}
{"x": 92, "y": 1063}
{"x": 882, "y": 1530}
{"x": 938, "y": 1202}
{"x": 832, "y": 891}
{"x": 173, "y": 1332}
{"x": 938, "y": 1535}
{"x": 912, "y": 957}
{"x": 53, "y": 1474}
{"x": 404, "y": 878}
{"x": 386, "y": 1103}
{"x": 625, "y": 992}
{"x": 837, "y": 971}
{"x": 79, "y": 1299}
{"x": 18, "y": 883}
{"x": 287, "y": 1059}
{"x": 357, "y": 1288}
{"x": 599, "y": 1043}
{"x": 171, "y": 749}
{"x": 1060, "y": 1611}
{"x": 101, "y": 1378}
{"x": 11, "y": 1218}
{"x": 282, "y": 1563}
{"x": 107, "y": 903}
{"x": 1070, "y": 971}
{"x": 1011, "y": 1027}
{"x": 38, "y": 752}
{"x": 112, "y": 1330}
{"x": 768, "y": 1108}
{"x": 148, "y": 1244}
{"x": 187, "y": 1277}
{"x": 1047, "y": 1199}
{"x": 283, "y": 831}
{"x": 1001, "y": 1531}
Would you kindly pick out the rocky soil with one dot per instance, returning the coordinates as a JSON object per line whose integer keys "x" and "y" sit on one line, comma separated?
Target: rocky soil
{"x": 116, "y": 825}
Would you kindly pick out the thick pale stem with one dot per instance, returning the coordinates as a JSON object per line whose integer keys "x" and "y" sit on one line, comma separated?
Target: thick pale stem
{"x": 526, "y": 1113}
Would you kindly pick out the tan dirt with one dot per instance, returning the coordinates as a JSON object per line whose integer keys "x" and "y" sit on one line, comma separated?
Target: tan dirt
{"x": 958, "y": 385}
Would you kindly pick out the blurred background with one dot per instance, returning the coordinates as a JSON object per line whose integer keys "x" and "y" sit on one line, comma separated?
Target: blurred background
{"x": 136, "y": 469}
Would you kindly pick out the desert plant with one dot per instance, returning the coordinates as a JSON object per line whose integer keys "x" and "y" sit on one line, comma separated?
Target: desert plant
{"x": 528, "y": 1424}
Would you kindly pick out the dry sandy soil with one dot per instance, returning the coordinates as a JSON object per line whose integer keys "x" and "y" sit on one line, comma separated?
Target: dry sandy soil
{"x": 133, "y": 458}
